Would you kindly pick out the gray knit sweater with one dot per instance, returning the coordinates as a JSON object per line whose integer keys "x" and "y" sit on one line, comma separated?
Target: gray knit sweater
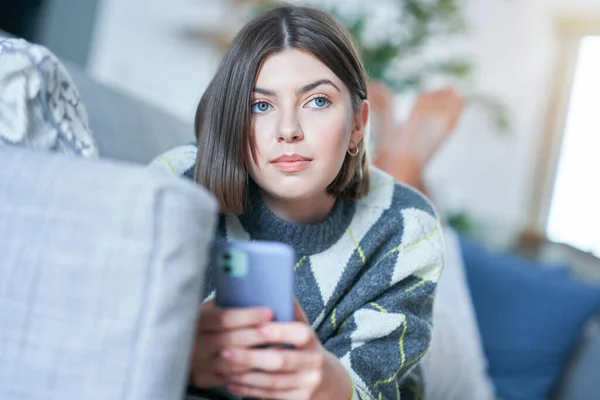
{"x": 365, "y": 276}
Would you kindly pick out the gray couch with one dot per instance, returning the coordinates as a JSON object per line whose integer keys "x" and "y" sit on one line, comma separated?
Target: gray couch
{"x": 125, "y": 128}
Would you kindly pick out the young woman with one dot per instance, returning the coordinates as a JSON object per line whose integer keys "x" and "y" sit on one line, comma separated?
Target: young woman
{"x": 281, "y": 137}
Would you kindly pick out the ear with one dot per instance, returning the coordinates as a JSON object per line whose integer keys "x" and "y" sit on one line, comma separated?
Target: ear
{"x": 359, "y": 124}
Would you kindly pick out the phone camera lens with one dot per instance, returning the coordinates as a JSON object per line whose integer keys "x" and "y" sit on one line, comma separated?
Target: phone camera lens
{"x": 227, "y": 269}
{"x": 226, "y": 256}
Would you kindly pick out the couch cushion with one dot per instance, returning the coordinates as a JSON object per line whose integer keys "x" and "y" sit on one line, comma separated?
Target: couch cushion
{"x": 101, "y": 268}
{"x": 127, "y": 128}
{"x": 530, "y": 315}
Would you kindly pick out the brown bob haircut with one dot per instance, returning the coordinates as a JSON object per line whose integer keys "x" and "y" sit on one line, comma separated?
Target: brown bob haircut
{"x": 224, "y": 121}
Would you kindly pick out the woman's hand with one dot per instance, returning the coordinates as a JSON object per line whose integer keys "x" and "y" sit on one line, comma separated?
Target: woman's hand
{"x": 218, "y": 329}
{"x": 308, "y": 371}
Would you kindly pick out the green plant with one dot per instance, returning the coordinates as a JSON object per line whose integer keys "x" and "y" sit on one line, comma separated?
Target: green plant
{"x": 396, "y": 55}
{"x": 462, "y": 222}
{"x": 417, "y": 22}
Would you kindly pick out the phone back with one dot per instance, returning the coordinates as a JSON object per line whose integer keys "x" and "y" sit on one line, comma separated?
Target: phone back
{"x": 256, "y": 273}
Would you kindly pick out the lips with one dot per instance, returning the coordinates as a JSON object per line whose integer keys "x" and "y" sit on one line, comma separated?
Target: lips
{"x": 291, "y": 163}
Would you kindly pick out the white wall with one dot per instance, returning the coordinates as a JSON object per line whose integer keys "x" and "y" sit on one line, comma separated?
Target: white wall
{"x": 515, "y": 46}
{"x": 491, "y": 173}
{"x": 139, "y": 47}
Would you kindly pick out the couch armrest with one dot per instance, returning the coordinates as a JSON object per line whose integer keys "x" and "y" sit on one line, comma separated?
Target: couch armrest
{"x": 101, "y": 274}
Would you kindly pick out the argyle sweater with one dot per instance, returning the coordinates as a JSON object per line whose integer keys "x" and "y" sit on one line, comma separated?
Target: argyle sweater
{"x": 365, "y": 276}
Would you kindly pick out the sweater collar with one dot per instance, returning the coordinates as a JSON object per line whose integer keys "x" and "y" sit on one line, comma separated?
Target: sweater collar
{"x": 307, "y": 239}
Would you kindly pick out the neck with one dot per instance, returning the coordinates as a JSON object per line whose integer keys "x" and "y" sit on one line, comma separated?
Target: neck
{"x": 304, "y": 211}
{"x": 310, "y": 225}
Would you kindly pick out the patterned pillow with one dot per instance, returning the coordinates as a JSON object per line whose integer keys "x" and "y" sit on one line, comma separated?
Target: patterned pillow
{"x": 39, "y": 104}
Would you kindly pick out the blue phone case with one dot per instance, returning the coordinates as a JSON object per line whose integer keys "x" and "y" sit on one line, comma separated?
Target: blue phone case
{"x": 256, "y": 273}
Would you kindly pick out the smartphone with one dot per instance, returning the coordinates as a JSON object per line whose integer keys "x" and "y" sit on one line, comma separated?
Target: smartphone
{"x": 256, "y": 274}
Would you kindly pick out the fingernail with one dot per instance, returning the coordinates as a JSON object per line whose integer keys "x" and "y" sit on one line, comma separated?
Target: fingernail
{"x": 268, "y": 314}
{"x": 227, "y": 354}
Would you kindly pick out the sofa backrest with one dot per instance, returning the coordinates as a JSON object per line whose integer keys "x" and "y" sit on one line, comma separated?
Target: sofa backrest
{"x": 126, "y": 128}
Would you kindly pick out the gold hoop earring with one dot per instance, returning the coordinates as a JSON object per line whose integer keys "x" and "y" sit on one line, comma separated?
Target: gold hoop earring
{"x": 353, "y": 153}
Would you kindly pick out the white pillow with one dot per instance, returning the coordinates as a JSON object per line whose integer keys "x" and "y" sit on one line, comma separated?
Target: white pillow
{"x": 455, "y": 366}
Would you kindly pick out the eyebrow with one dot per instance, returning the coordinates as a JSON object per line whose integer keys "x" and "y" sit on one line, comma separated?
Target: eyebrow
{"x": 303, "y": 89}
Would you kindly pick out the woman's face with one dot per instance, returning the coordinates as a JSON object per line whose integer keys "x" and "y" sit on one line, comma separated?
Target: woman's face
{"x": 303, "y": 124}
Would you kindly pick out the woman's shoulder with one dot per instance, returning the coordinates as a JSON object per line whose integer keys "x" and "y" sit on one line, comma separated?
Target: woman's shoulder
{"x": 179, "y": 161}
{"x": 386, "y": 192}
{"x": 397, "y": 216}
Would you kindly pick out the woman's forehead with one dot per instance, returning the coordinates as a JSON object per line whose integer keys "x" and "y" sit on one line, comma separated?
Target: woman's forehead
{"x": 293, "y": 69}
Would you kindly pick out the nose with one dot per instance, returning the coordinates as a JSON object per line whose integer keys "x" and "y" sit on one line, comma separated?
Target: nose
{"x": 289, "y": 130}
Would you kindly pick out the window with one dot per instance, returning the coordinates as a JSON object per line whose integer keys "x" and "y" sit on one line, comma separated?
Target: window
{"x": 574, "y": 216}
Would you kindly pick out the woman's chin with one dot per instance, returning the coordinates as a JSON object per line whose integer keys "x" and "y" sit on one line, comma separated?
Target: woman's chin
{"x": 294, "y": 190}
{"x": 290, "y": 192}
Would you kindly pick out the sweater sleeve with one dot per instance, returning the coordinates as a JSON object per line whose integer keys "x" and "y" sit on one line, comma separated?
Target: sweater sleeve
{"x": 381, "y": 341}
{"x": 178, "y": 161}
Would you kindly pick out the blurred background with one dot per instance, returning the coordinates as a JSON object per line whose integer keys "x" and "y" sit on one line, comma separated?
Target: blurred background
{"x": 522, "y": 159}
{"x": 520, "y": 175}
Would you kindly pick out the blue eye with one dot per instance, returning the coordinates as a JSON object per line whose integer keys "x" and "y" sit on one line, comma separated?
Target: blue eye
{"x": 260, "y": 107}
{"x": 319, "y": 102}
